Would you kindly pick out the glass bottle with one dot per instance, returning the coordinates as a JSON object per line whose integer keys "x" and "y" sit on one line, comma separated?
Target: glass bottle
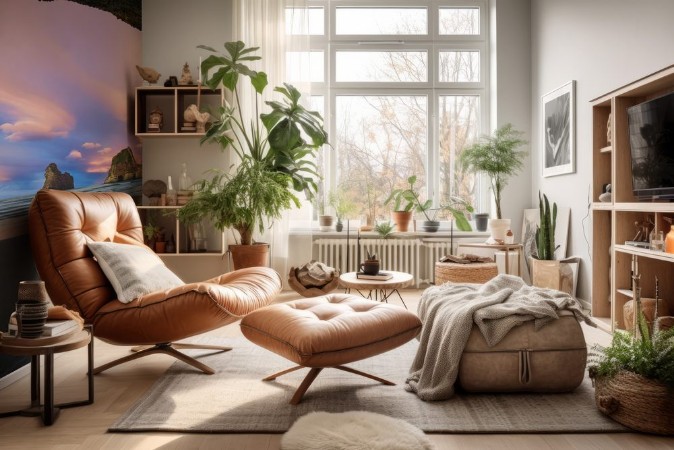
{"x": 185, "y": 182}
{"x": 171, "y": 196}
{"x": 669, "y": 240}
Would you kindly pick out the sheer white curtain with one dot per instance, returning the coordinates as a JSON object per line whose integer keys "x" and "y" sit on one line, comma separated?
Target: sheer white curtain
{"x": 261, "y": 23}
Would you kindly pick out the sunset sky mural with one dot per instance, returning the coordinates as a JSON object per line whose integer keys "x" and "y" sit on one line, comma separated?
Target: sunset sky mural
{"x": 66, "y": 92}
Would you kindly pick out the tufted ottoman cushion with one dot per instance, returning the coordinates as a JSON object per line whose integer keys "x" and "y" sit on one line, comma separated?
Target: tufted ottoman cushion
{"x": 329, "y": 331}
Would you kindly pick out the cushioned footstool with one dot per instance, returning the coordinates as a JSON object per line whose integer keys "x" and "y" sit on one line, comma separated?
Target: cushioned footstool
{"x": 329, "y": 331}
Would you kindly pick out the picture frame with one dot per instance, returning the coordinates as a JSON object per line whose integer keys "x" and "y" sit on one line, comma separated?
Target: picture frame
{"x": 558, "y": 130}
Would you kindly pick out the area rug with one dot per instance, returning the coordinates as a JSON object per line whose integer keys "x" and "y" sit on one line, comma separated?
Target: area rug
{"x": 235, "y": 400}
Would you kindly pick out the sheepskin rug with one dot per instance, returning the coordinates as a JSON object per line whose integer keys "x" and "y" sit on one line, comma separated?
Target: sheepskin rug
{"x": 353, "y": 430}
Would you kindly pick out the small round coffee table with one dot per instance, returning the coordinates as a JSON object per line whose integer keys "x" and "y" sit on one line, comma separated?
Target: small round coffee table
{"x": 49, "y": 411}
{"x": 382, "y": 289}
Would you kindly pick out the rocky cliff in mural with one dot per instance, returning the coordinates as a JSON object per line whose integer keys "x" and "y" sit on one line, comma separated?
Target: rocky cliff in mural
{"x": 55, "y": 179}
{"x": 123, "y": 167}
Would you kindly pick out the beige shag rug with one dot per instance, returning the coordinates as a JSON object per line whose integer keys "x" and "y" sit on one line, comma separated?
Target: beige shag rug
{"x": 236, "y": 400}
{"x": 353, "y": 430}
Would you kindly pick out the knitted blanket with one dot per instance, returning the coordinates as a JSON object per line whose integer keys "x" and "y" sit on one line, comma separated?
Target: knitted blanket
{"x": 449, "y": 311}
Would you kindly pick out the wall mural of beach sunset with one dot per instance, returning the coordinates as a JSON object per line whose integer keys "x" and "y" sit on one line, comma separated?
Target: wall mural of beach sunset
{"x": 66, "y": 99}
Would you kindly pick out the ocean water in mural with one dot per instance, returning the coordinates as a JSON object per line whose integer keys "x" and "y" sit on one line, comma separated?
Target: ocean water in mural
{"x": 66, "y": 96}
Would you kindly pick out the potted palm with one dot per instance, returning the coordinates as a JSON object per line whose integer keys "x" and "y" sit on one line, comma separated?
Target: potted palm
{"x": 412, "y": 201}
{"x": 498, "y": 157}
{"x": 276, "y": 150}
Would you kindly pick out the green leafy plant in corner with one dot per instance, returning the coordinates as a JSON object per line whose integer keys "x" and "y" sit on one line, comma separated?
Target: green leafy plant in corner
{"x": 411, "y": 200}
{"x": 545, "y": 232}
{"x": 497, "y": 156}
{"x": 276, "y": 149}
{"x": 649, "y": 356}
{"x": 243, "y": 201}
{"x": 384, "y": 229}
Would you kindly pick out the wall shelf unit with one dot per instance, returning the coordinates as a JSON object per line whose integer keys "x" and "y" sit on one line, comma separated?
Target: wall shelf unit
{"x": 166, "y": 217}
{"x": 613, "y": 222}
{"x": 172, "y": 102}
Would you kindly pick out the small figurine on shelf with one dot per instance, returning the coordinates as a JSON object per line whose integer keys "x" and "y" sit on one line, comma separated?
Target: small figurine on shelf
{"x": 156, "y": 121}
{"x": 186, "y": 77}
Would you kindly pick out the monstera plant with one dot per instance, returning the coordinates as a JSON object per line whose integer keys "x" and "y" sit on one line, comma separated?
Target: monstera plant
{"x": 276, "y": 149}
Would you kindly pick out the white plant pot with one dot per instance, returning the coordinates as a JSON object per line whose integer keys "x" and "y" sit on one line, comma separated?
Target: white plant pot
{"x": 498, "y": 229}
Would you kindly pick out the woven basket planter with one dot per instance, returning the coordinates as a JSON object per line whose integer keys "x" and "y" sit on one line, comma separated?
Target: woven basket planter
{"x": 464, "y": 273}
{"x": 637, "y": 402}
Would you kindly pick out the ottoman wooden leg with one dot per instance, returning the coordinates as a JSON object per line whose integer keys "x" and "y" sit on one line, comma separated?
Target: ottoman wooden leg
{"x": 313, "y": 373}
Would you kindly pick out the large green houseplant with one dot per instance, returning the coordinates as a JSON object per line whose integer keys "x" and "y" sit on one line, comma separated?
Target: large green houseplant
{"x": 497, "y": 156}
{"x": 276, "y": 149}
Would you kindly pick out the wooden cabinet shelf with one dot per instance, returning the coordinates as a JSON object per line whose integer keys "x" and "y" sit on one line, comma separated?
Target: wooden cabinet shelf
{"x": 172, "y": 102}
{"x": 166, "y": 218}
{"x": 614, "y": 222}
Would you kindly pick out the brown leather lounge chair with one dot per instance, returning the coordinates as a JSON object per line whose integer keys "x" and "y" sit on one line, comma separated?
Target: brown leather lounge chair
{"x": 61, "y": 223}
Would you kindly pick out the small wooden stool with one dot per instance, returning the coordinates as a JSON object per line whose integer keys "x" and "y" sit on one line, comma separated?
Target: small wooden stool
{"x": 446, "y": 272}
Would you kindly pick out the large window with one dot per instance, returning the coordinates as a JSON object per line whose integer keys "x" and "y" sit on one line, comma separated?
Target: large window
{"x": 404, "y": 91}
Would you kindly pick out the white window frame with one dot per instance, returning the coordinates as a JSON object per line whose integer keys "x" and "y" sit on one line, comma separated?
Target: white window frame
{"x": 433, "y": 43}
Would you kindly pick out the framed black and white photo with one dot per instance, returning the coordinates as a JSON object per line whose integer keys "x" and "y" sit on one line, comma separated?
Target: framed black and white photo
{"x": 559, "y": 130}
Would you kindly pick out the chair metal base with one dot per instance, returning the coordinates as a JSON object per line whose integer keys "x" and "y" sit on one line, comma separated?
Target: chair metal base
{"x": 313, "y": 373}
{"x": 168, "y": 348}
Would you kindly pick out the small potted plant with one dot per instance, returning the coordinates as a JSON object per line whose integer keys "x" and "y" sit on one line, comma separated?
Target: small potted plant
{"x": 325, "y": 221}
{"x": 546, "y": 270}
{"x": 456, "y": 207}
{"x": 634, "y": 377}
{"x": 384, "y": 229}
{"x": 403, "y": 204}
{"x": 342, "y": 205}
{"x": 498, "y": 157}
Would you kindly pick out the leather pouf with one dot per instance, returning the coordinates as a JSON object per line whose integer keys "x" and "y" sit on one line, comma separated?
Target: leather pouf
{"x": 551, "y": 359}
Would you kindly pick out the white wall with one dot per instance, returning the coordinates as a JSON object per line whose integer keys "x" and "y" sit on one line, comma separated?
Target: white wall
{"x": 602, "y": 44}
{"x": 171, "y": 32}
{"x": 510, "y": 94}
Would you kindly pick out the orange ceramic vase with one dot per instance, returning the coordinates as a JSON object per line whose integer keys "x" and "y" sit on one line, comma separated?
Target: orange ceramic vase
{"x": 669, "y": 240}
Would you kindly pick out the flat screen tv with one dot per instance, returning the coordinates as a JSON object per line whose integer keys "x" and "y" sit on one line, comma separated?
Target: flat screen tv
{"x": 651, "y": 133}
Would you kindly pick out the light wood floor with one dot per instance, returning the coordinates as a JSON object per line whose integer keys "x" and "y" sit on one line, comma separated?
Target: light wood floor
{"x": 118, "y": 388}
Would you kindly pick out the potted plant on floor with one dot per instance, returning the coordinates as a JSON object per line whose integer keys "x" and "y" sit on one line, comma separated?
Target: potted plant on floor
{"x": 498, "y": 157}
{"x": 276, "y": 151}
{"x": 547, "y": 271}
{"x": 634, "y": 377}
{"x": 456, "y": 207}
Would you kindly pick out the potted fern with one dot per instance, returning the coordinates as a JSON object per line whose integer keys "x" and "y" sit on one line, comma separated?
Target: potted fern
{"x": 276, "y": 150}
{"x": 498, "y": 157}
{"x": 634, "y": 377}
{"x": 546, "y": 270}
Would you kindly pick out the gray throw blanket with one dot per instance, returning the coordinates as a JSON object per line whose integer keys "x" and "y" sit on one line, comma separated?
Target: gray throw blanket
{"x": 449, "y": 311}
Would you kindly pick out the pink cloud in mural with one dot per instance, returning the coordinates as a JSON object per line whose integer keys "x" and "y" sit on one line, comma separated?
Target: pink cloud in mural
{"x": 74, "y": 154}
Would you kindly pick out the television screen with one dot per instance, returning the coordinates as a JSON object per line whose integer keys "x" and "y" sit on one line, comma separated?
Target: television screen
{"x": 651, "y": 133}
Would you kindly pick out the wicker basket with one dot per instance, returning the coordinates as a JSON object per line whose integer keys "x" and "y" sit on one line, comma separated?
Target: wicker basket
{"x": 464, "y": 273}
{"x": 636, "y": 402}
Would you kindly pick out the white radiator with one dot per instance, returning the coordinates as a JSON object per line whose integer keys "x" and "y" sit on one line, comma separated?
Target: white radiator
{"x": 432, "y": 251}
{"x": 401, "y": 255}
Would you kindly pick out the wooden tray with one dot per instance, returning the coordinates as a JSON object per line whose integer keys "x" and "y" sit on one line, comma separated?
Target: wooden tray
{"x": 7, "y": 339}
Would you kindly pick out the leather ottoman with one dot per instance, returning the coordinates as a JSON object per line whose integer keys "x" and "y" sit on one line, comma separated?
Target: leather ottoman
{"x": 551, "y": 359}
{"x": 329, "y": 331}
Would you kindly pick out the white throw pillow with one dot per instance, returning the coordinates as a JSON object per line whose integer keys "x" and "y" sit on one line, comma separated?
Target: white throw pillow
{"x": 133, "y": 270}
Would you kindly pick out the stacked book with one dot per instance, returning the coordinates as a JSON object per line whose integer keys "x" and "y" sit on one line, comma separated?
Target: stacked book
{"x": 189, "y": 127}
{"x": 381, "y": 276}
{"x": 51, "y": 327}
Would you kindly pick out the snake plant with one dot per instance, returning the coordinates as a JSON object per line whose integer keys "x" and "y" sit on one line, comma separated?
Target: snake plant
{"x": 545, "y": 234}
